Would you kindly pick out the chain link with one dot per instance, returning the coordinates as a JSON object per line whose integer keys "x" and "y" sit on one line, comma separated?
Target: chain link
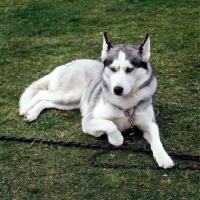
{"x": 106, "y": 148}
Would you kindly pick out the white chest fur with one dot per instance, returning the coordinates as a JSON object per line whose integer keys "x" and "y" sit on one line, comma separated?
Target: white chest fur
{"x": 105, "y": 110}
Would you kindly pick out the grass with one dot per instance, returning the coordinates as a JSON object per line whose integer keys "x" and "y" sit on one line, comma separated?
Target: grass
{"x": 37, "y": 36}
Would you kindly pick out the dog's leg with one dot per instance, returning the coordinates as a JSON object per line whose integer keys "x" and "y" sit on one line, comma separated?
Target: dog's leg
{"x": 32, "y": 90}
{"x": 41, "y": 95}
{"x": 54, "y": 97}
{"x": 44, "y": 104}
{"x": 159, "y": 153}
{"x": 97, "y": 127}
{"x": 151, "y": 134}
{"x": 147, "y": 137}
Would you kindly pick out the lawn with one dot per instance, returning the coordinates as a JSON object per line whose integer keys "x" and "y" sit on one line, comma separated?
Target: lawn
{"x": 37, "y": 36}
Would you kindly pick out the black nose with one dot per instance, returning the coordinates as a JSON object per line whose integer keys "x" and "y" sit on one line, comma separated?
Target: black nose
{"x": 118, "y": 90}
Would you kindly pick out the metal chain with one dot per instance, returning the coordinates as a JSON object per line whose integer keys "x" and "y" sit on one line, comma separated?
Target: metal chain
{"x": 141, "y": 150}
{"x": 106, "y": 148}
{"x": 130, "y": 119}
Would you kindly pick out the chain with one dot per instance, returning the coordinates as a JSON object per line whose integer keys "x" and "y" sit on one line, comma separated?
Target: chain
{"x": 106, "y": 148}
{"x": 130, "y": 119}
{"x": 145, "y": 151}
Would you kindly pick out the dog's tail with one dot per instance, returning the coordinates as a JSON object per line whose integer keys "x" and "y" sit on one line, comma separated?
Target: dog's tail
{"x": 32, "y": 90}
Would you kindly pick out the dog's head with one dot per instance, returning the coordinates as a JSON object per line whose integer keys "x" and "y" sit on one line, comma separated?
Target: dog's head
{"x": 126, "y": 66}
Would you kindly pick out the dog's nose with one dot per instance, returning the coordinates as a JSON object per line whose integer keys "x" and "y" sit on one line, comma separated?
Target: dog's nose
{"x": 118, "y": 90}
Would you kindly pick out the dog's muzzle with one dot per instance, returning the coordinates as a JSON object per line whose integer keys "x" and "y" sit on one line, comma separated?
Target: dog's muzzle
{"x": 118, "y": 90}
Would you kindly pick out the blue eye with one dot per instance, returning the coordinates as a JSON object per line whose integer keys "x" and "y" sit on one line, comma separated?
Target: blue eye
{"x": 129, "y": 70}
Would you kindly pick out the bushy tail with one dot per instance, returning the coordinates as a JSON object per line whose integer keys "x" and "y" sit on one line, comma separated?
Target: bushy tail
{"x": 33, "y": 89}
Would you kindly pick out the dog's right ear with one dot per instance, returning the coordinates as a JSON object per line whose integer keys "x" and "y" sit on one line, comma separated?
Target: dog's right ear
{"x": 106, "y": 46}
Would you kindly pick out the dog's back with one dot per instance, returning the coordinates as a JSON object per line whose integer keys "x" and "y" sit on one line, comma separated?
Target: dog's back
{"x": 63, "y": 88}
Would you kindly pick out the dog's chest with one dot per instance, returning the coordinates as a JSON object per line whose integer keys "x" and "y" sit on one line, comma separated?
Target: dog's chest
{"x": 110, "y": 112}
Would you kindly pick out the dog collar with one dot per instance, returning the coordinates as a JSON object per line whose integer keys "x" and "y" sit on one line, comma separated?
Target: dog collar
{"x": 130, "y": 119}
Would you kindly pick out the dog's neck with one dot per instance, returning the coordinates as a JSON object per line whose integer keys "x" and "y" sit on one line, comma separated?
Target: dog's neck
{"x": 129, "y": 102}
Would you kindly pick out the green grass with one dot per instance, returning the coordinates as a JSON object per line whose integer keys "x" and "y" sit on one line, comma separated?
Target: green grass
{"x": 37, "y": 36}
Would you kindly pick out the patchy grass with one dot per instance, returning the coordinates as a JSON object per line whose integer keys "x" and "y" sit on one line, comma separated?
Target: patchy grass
{"x": 37, "y": 36}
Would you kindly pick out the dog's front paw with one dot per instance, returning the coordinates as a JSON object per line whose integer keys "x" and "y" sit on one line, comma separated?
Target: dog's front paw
{"x": 162, "y": 158}
{"x": 116, "y": 139}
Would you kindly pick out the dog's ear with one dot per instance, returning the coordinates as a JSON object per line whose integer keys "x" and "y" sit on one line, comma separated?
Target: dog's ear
{"x": 144, "y": 49}
{"x": 106, "y": 46}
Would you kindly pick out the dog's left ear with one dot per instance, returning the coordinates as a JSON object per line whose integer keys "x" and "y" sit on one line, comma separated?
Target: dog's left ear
{"x": 145, "y": 49}
{"x": 106, "y": 46}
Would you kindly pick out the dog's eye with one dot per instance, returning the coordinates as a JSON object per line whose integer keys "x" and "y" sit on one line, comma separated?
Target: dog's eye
{"x": 113, "y": 69}
{"x": 128, "y": 70}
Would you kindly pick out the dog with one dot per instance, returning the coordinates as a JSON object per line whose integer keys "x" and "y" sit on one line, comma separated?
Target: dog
{"x": 113, "y": 95}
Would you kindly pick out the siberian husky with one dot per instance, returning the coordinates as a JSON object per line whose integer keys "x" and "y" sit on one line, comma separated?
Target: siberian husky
{"x": 112, "y": 95}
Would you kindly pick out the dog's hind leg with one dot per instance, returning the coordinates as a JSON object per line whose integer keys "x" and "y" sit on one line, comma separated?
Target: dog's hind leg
{"x": 44, "y": 104}
{"x": 98, "y": 127}
{"x": 32, "y": 90}
{"x": 41, "y": 95}
{"x": 56, "y": 97}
